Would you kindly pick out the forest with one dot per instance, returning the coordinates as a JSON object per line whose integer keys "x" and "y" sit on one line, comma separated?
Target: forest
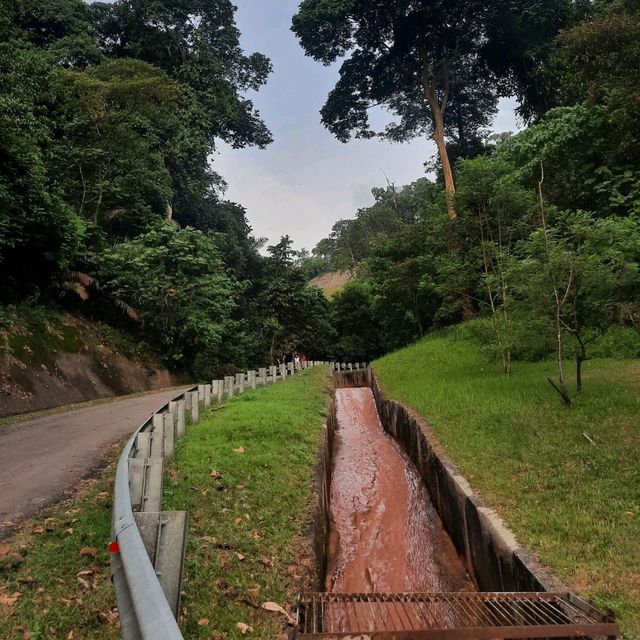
{"x": 110, "y": 206}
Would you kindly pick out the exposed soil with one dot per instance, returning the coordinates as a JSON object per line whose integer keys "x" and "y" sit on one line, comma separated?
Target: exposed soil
{"x": 75, "y": 377}
{"x": 331, "y": 282}
{"x": 41, "y": 459}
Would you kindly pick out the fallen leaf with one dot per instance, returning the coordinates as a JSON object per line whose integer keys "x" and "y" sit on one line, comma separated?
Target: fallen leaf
{"x": 244, "y": 628}
{"x": 254, "y": 593}
{"x": 9, "y": 601}
{"x": 108, "y": 617}
{"x": 7, "y": 523}
{"x": 274, "y": 606}
{"x": 239, "y": 450}
{"x": 27, "y": 635}
{"x": 240, "y": 557}
{"x": 50, "y": 524}
{"x": 85, "y": 583}
{"x": 215, "y": 474}
{"x": 266, "y": 561}
{"x": 69, "y": 530}
{"x": 70, "y": 636}
{"x": 203, "y": 622}
{"x": 4, "y": 550}
{"x": 89, "y": 551}
{"x": 38, "y": 530}
{"x": 240, "y": 487}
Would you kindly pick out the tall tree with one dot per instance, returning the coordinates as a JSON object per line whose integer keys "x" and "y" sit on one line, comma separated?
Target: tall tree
{"x": 422, "y": 60}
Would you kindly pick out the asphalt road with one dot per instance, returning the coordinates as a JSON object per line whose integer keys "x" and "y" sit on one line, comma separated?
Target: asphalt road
{"x": 42, "y": 458}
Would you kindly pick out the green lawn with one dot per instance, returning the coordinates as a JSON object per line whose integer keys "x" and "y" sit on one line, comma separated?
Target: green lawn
{"x": 54, "y": 573}
{"x": 577, "y": 505}
{"x": 245, "y": 474}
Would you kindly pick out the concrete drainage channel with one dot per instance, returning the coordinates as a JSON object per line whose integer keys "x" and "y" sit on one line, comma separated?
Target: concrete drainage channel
{"x": 511, "y": 595}
{"x": 148, "y": 544}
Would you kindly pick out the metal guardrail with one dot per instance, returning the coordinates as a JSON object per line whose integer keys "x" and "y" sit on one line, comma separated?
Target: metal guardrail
{"x": 142, "y": 606}
{"x": 144, "y": 611}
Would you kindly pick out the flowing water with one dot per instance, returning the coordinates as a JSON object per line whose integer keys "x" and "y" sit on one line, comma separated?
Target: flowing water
{"x": 385, "y": 535}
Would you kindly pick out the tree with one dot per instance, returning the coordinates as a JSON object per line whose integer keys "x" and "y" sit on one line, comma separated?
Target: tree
{"x": 117, "y": 118}
{"x": 359, "y": 338}
{"x": 421, "y": 60}
{"x": 197, "y": 43}
{"x": 40, "y": 233}
{"x": 289, "y": 315}
{"x": 496, "y": 212}
{"x": 176, "y": 283}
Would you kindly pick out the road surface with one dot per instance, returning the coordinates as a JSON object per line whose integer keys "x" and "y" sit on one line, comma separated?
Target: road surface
{"x": 42, "y": 458}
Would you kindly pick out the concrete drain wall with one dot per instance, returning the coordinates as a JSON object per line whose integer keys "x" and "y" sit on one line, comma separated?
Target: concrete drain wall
{"x": 490, "y": 552}
{"x": 488, "y": 549}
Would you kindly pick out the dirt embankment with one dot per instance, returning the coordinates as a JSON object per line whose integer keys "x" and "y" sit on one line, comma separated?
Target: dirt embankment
{"x": 331, "y": 282}
{"x": 53, "y": 365}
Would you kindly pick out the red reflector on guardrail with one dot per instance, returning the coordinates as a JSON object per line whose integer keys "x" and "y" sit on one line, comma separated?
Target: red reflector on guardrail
{"x": 114, "y": 547}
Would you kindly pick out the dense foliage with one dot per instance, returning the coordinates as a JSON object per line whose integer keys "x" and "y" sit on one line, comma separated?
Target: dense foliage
{"x": 546, "y": 242}
{"x": 109, "y": 205}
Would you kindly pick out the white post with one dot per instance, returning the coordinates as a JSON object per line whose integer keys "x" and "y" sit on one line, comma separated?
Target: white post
{"x": 195, "y": 407}
{"x": 207, "y": 396}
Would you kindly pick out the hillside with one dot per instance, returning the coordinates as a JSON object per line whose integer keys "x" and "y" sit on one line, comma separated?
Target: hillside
{"x": 565, "y": 480}
{"x": 332, "y": 282}
{"x": 49, "y": 359}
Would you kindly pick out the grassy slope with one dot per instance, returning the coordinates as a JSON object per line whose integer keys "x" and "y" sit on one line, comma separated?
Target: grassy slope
{"x": 576, "y": 504}
{"x": 247, "y": 508}
{"x": 62, "y": 593}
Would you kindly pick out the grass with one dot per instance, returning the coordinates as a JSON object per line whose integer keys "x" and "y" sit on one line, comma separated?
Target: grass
{"x": 576, "y": 504}
{"x": 244, "y": 474}
{"x": 247, "y": 523}
{"x": 54, "y": 572}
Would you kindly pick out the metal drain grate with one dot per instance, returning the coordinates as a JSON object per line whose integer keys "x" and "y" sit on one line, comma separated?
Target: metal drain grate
{"x": 460, "y": 615}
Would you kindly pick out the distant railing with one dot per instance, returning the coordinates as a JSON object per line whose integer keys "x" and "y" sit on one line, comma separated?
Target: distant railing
{"x": 148, "y": 544}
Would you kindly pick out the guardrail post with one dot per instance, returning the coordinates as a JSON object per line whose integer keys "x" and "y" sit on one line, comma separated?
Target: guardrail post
{"x": 207, "y": 396}
{"x": 290, "y": 367}
{"x": 240, "y": 382}
{"x": 180, "y": 418}
{"x": 220, "y": 390}
{"x": 283, "y": 371}
{"x": 169, "y": 435}
{"x": 195, "y": 407}
{"x": 262, "y": 376}
{"x": 157, "y": 436}
{"x": 251, "y": 375}
{"x": 229, "y": 384}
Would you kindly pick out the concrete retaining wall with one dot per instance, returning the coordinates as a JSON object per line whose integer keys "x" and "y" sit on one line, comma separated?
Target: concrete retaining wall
{"x": 489, "y": 550}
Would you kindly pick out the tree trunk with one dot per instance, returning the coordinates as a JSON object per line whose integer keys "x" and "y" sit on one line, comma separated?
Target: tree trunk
{"x": 579, "y": 360}
{"x": 438, "y": 108}
{"x": 447, "y": 172}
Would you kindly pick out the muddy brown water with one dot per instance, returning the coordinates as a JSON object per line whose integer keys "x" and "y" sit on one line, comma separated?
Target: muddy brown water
{"x": 385, "y": 535}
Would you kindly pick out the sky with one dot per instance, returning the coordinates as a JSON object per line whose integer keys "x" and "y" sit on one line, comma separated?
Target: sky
{"x": 306, "y": 180}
